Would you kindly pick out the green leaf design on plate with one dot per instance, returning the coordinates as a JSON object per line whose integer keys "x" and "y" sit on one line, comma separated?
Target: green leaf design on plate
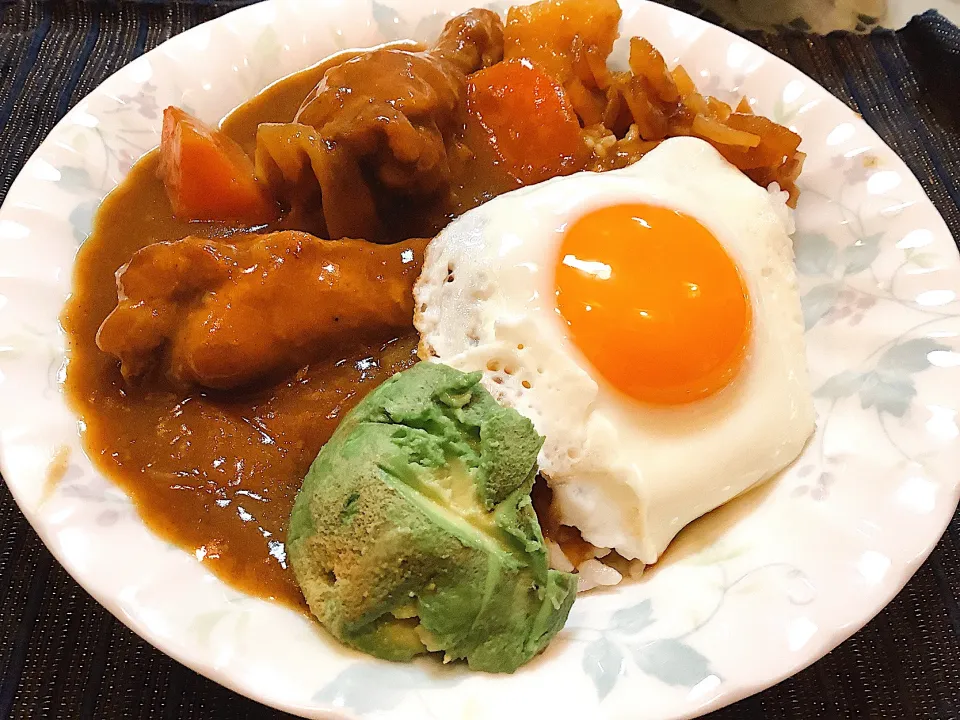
{"x": 815, "y": 254}
{"x": 817, "y": 303}
{"x": 925, "y": 260}
{"x": 267, "y": 47}
{"x": 858, "y": 257}
{"x": 631, "y": 620}
{"x": 430, "y": 27}
{"x": 389, "y": 22}
{"x": 889, "y": 387}
{"x": 79, "y": 141}
{"x": 75, "y": 179}
{"x": 500, "y": 7}
{"x": 202, "y": 625}
{"x": 368, "y": 687}
{"x": 841, "y": 385}
{"x": 717, "y": 553}
{"x": 603, "y": 663}
{"x": 783, "y": 114}
{"x": 910, "y": 356}
{"x": 266, "y": 50}
{"x": 672, "y": 661}
{"x": 81, "y": 219}
{"x": 889, "y": 393}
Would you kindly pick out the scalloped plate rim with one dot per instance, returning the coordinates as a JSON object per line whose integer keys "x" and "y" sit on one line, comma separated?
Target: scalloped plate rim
{"x": 732, "y": 694}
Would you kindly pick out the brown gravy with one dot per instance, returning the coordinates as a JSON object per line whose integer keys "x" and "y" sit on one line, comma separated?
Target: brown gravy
{"x": 213, "y": 474}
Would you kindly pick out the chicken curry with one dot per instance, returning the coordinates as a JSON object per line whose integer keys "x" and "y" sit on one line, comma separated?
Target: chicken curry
{"x": 246, "y": 286}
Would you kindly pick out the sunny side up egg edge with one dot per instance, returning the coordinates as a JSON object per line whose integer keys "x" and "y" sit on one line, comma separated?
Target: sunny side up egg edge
{"x": 629, "y": 476}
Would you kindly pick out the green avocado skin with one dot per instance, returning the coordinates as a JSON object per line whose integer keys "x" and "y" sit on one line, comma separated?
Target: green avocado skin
{"x": 374, "y": 534}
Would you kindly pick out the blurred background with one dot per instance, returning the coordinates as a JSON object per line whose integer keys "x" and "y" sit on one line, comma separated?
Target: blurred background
{"x": 823, "y": 16}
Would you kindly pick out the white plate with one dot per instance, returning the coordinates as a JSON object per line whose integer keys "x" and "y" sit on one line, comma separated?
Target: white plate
{"x": 748, "y": 596}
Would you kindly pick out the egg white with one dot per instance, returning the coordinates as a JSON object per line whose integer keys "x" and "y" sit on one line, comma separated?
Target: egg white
{"x": 629, "y": 475}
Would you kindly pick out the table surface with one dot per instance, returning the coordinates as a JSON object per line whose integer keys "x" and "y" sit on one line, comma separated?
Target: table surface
{"x": 63, "y": 656}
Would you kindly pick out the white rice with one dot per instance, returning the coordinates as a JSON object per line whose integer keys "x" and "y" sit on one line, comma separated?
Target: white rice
{"x": 598, "y": 571}
{"x": 593, "y": 573}
{"x": 558, "y": 561}
{"x": 778, "y": 199}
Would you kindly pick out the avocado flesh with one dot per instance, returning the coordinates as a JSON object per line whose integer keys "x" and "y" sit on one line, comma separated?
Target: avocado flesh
{"x": 414, "y": 531}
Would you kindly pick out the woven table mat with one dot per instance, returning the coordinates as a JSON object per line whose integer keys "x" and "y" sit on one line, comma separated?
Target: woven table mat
{"x": 63, "y": 656}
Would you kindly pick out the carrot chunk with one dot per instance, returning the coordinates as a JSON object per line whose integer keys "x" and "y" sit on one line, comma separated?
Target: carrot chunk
{"x": 529, "y": 120}
{"x": 207, "y": 175}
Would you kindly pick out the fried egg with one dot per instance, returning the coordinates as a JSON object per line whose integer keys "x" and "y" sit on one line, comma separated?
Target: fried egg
{"x": 647, "y": 320}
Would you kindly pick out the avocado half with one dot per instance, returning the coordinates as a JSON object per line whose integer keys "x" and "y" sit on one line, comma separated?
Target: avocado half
{"x": 414, "y": 531}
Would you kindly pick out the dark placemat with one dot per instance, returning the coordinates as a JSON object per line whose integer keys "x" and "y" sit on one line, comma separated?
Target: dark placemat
{"x": 63, "y": 656}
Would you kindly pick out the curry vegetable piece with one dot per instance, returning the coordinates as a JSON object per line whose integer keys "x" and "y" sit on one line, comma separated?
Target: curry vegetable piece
{"x": 207, "y": 175}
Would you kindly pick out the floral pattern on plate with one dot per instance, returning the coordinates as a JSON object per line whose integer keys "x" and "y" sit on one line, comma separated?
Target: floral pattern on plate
{"x": 744, "y": 597}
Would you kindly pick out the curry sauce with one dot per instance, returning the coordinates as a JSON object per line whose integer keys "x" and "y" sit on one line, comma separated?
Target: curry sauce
{"x": 399, "y": 142}
{"x": 214, "y": 473}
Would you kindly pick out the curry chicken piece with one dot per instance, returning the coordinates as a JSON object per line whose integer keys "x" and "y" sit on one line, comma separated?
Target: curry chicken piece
{"x": 401, "y": 108}
{"x": 378, "y": 127}
{"x": 225, "y": 313}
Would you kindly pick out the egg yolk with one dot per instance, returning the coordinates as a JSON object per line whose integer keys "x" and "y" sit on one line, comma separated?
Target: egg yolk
{"x": 654, "y": 302}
